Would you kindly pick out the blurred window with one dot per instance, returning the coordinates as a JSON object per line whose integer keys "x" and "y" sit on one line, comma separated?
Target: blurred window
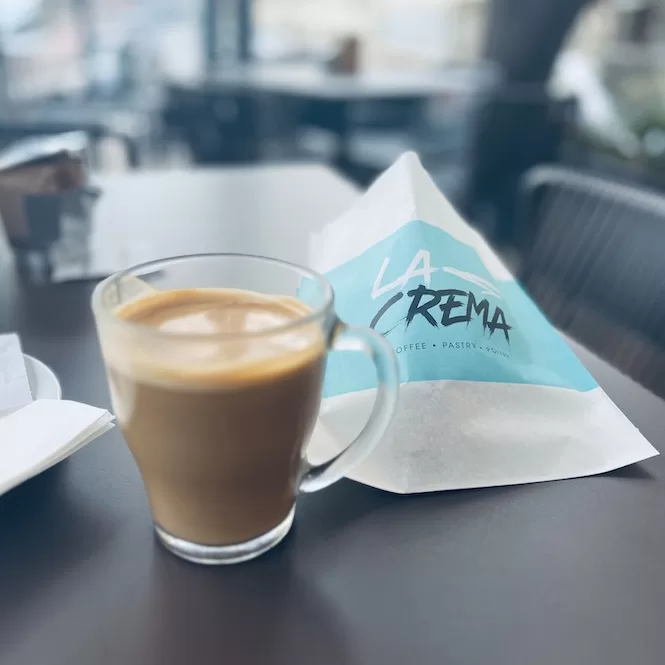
{"x": 394, "y": 34}
{"x": 64, "y": 47}
{"x": 41, "y": 46}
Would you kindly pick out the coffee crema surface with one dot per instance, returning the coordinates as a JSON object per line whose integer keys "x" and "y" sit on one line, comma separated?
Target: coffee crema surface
{"x": 217, "y": 393}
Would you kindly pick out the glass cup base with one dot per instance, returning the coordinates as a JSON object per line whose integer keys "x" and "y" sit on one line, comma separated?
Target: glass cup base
{"x": 213, "y": 555}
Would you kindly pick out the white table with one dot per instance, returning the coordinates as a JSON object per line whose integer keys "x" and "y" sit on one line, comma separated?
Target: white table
{"x": 334, "y": 94}
{"x": 315, "y": 82}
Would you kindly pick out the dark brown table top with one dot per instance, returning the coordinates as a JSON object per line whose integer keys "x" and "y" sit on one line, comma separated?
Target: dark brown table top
{"x": 560, "y": 573}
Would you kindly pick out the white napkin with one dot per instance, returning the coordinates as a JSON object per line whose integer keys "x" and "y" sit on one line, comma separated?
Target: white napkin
{"x": 40, "y": 435}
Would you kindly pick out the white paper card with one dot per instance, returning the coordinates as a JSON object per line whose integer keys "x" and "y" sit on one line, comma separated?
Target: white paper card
{"x": 14, "y": 386}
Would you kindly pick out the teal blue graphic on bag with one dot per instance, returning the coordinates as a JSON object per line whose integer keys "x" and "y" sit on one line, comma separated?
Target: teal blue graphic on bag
{"x": 434, "y": 300}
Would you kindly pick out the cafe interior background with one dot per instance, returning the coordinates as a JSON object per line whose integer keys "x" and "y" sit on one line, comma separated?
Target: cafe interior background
{"x": 542, "y": 121}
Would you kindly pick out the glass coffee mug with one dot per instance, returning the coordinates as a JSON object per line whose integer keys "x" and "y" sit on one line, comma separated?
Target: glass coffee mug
{"x": 215, "y": 365}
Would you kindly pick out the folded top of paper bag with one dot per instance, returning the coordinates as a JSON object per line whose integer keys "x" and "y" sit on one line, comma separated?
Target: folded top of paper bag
{"x": 403, "y": 193}
{"x": 491, "y": 394}
{"x": 44, "y": 433}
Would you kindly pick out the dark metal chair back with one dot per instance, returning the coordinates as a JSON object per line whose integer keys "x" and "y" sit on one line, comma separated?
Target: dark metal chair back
{"x": 594, "y": 261}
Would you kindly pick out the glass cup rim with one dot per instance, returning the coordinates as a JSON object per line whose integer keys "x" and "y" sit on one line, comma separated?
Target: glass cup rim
{"x": 102, "y": 312}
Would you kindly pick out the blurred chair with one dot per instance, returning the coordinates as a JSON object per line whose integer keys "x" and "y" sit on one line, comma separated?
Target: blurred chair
{"x": 439, "y": 128}
{"x": 517, "y": 128}
{"x": 217, "y": 128}
{"x": 593, "y": 261}
{"x": 444, "y": 129}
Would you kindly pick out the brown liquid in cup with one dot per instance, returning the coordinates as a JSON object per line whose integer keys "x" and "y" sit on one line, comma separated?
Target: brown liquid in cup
{"x": 217, "y": 424}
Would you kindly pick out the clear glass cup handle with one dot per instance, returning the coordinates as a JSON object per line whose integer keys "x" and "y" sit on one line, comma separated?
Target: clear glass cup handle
{"x": 351, "y": 338}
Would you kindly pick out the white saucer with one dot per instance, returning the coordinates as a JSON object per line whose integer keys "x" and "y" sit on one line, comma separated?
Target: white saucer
{"x": 43, "y": 382}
